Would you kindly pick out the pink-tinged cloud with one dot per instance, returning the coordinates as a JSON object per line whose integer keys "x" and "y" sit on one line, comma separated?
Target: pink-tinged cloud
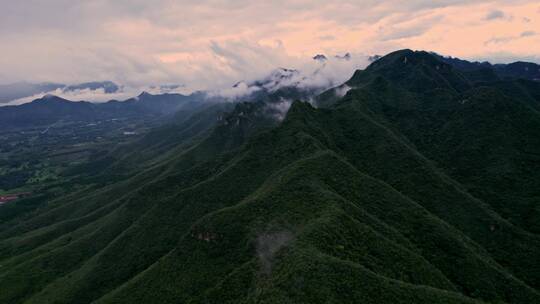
{"x": 209, "y": 44}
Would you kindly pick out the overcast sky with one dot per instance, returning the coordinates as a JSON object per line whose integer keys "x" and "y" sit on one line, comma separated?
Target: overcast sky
{"x": 204, "y": 44}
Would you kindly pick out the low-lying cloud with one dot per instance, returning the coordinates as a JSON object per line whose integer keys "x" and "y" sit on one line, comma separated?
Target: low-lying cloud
{"x": 278, "y": 110}
{"x": 309, "y": 74}
{"x": 268, "y": 245}
{"x": 342, "y": 90}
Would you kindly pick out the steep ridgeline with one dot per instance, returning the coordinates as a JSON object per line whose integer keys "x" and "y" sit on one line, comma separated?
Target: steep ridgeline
{"x": 418, "y": 186}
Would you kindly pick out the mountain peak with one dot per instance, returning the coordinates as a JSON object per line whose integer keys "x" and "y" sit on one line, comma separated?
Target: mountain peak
{"x": 406, "y": 57}
{"x": 320, "y": 58}
{"x": 51, "y": 98}
{"x": 415, "y": 70}
{"x": 347, "y": 56}
{"x": 144, "y": 94}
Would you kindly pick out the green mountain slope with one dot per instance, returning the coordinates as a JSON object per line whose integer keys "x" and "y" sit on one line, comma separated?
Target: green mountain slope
{"x": 418, "y": 186}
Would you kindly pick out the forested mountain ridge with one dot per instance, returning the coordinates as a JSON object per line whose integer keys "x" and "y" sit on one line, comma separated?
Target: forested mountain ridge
{"x": 417, "y": 186}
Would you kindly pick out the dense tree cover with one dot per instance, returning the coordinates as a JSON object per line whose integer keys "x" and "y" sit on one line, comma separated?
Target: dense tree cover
{"x": 418, "y": 186}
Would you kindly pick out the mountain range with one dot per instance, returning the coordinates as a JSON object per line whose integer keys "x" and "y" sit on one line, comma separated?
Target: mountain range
{"x": 51, "y": 109}
{"x": 281, "y": 86}
{"x": 10, "y": 92}
{"x": 415, "y": 181}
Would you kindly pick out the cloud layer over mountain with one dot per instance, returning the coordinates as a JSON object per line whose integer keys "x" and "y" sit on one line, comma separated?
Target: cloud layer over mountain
{"x": 213, "y": 44}
{"x": 313, "y": 74}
